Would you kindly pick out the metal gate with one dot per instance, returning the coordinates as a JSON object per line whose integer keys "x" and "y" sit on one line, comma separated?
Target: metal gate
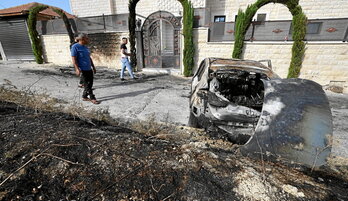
{"x": 15, "y": 40}
{"x": 161, "y": 40}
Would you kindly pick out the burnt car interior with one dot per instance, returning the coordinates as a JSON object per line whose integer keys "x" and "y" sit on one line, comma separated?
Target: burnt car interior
{"x": 243, "y": 88}
{"x": 235, "y": 95}
{"x": 240, "y": 87}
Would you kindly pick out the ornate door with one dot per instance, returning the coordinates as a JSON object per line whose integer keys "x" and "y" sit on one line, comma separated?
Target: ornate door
{"x": 161, "y": 40}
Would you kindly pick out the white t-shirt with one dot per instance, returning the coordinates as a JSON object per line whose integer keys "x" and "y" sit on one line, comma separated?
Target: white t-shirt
{"x": 123, "y": 46}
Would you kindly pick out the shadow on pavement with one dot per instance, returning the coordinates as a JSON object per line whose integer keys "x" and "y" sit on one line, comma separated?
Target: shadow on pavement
{"x": 130, "y": 81}
{"x": 130, "y": 94}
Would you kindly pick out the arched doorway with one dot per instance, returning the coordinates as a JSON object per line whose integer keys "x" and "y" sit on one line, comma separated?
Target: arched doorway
{"x": 161, "y": 41}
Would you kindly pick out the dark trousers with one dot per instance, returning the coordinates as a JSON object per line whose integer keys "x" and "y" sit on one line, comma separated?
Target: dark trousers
{"x": 87, "y": 78}
{"x": 81, "y": 80}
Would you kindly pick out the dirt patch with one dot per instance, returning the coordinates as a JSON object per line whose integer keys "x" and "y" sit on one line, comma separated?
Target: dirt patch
{"x": 57, "y": 156}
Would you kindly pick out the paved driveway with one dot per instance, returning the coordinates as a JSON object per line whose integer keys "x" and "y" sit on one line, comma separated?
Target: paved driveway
{"x": 158, "y": 96}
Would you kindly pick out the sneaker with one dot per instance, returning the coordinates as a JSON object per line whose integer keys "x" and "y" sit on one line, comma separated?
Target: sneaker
{"x": 122, "y": 79}
{"x": 94, "y": 101}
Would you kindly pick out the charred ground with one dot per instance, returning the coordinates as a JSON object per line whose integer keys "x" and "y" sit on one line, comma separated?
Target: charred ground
{"x": 57, "y": 156}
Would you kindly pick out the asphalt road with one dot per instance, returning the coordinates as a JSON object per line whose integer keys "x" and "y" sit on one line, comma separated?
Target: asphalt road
{"x": 155, "y": 97}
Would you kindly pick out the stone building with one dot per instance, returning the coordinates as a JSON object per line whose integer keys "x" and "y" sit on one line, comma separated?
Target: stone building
{"x": 326, "y": 57}
{"x": 313, "y": 8}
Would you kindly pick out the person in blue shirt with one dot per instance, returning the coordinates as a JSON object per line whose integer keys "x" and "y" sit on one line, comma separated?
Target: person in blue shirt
{"x": 84, "y": 66}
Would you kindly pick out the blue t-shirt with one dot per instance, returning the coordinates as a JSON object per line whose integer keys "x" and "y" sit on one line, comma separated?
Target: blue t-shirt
{"x": 82, "y": 54}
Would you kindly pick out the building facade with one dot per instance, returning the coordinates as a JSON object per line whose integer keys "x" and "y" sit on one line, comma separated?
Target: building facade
{"x": 314, "y": 9}
{"x": 326, "y": 57}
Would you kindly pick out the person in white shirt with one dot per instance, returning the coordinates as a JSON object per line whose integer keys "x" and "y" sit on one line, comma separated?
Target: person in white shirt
{"x": 125, "y": 61}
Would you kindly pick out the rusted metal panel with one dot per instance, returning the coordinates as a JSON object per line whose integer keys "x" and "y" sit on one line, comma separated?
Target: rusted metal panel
{"x": 295, "y": 124}
{"x": 15, "y": 39}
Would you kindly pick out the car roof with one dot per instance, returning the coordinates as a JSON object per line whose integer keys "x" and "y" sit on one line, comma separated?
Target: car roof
{"x": 240, "y": 64}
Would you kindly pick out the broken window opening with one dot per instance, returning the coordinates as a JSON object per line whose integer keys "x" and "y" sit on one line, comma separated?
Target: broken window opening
{"x": 240, "y": 87}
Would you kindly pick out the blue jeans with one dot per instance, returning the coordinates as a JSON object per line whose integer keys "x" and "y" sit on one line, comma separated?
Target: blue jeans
{"x": 125, "y": 63}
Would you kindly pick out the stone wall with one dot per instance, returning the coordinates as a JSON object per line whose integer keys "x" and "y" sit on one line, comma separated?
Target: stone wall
{"x": 204, "y": 49}
{"x": 313, "y": 8}
{"x": 146, "y": 7}
{"x": 86, "y": 8}
{"x": 104, "y": 47}
{"x": 56, "y": 49}
{"x": 323, "y": 62}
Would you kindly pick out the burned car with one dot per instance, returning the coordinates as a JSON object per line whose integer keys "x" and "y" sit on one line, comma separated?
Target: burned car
{"x": 273, "y": 118}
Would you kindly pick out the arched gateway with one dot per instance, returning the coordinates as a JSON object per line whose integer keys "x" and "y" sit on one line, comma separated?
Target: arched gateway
{"x": 161, "y": 31}
{"x": 187, "y": 32}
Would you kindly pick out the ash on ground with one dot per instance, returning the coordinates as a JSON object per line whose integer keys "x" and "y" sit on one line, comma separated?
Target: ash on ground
{"x": 59, "y": 157}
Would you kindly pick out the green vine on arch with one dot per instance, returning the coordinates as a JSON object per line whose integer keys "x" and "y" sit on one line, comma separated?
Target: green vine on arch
{"x": 189, "y": 49}
{"x": 299, "y": 23}
{"x": 34, "y": 35}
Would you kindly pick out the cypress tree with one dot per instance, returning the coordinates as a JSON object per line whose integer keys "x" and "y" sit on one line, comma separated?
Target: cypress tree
{"x": 189, "y": 49}
{"x": 34, "y": 36}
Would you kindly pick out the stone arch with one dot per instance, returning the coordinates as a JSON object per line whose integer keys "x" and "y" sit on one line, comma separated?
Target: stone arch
{"x": 188, "y": 56}
{"x": 299, "y": 22}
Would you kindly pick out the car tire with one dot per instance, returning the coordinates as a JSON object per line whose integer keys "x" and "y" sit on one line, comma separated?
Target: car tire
{"x": 193, "y": 121}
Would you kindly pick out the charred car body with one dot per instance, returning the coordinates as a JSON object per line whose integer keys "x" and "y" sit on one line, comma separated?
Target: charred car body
{"x": 244, "y": 100}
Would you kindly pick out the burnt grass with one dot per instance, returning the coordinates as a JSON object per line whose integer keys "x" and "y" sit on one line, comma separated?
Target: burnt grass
{"x": 59, "y": 157}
